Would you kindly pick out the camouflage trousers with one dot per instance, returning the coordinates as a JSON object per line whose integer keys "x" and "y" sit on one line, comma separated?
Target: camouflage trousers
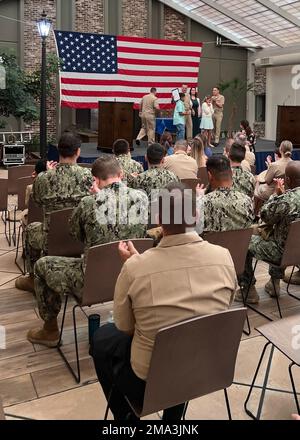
{"x": 53, "y": 278}
{"x": 35, "y": 243}
{"x": 262, "y": 250}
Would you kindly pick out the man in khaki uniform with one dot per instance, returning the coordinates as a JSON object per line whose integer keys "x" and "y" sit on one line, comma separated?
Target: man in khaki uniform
{"x": 148, "y": 107}
{"x": 182, "y": 165}
{"x": 218, "y": 102}
{"x": 181, "y": 278}
{"x": 188, "y": 109}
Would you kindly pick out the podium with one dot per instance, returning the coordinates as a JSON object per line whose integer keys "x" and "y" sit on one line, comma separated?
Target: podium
{"x": 288, "y": 118}
{"x": 116, "y": 121}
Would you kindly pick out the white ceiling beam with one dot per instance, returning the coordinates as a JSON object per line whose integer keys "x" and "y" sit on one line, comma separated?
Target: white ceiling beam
{"x": 243, "y": 21}
{"x": 284, "y": 14}
{"x": 204, "y": 22}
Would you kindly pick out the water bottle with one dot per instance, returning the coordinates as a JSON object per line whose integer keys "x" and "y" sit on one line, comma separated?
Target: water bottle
{"x": 94, "y": 324}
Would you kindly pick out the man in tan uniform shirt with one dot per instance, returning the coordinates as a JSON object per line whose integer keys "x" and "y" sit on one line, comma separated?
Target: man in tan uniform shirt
{"x": 218, "y": 102}
{"x": 182, "y": 165}
{"x": 148, "y": 107}
{"x": 188, "y": 109}
{"x": 183, "y": 277}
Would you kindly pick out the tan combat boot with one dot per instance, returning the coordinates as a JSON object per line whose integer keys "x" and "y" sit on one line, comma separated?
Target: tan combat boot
{"x": 269, "y": 288}
{"x": 253, "y": 297}
{"x": 295, "y": 277}
{"x": 25, "y": 283}
{"x": 48, "y": 335}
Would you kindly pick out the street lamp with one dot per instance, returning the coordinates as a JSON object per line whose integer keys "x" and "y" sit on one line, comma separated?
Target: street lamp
{"x": 44, "y": 27}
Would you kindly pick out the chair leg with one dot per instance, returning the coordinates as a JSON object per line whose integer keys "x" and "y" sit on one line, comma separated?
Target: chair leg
{"x": 23, "y": 271}
{"x": 248, "y": 331}
{"x": 288, "y": 286}
{"x": 277, "y": 299}
{"x": 227, "y": 404}
{"x": 108, "y": 402}
{"x": 294, "y": 387}
{"x": 250, "y": 414}
{"x": 185, "y": 410}
{"x": 76, "y": 374}
{"x": 8, "y": 237}
{"x": 14, "y": 229}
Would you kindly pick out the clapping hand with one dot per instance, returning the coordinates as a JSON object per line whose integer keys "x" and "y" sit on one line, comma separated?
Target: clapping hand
{"x": 268, "y": 160}
{"x": 51, "y": 164}
{"x": 279, "y": 188}
{"x": 200, "y": 190}
{"x": 126, "y": 250}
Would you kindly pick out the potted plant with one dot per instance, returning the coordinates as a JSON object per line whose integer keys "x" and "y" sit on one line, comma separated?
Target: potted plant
{"x": 235, "y": 88}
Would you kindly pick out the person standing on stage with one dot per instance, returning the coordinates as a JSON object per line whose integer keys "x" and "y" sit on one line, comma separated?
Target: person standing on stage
{"x": 179, "y": 117}
{"x": 148, "y": 108}
{"x": 207, "y": 118}
{"x": 196, "y": 110}
{"x": 188, "y": 113}
{"x": 218, "y": 102}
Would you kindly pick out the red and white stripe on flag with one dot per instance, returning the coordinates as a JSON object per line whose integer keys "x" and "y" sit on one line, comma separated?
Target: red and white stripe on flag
{"x": 142, "y": 63}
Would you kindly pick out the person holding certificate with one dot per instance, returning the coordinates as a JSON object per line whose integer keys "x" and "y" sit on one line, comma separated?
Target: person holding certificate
{"x": 179, "y": 117}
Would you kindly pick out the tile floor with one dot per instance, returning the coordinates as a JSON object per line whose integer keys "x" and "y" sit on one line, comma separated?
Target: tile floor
{"x": 35, "y": 383}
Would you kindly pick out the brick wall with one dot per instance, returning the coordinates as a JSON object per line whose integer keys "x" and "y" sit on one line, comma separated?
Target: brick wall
{"x": 135, "y": 18}
{"x": 89, "y": 16}
{"x": 174, "y": 25}
{"x": 32, "y": 51}
{"x": 260, "y": 80}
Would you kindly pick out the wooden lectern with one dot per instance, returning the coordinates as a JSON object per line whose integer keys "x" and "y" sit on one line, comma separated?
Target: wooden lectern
{"x": 288, "y": 119}
{"x": 116, "y": 121}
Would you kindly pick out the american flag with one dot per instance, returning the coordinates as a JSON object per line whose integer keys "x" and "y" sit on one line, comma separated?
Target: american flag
{"x": 122, "y": 69}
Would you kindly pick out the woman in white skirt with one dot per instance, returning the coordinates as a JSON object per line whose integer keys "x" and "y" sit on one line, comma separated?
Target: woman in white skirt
{"x": 207, "y": 122}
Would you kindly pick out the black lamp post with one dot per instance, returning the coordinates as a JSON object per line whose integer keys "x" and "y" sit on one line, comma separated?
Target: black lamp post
{"x": 44, "y": 27}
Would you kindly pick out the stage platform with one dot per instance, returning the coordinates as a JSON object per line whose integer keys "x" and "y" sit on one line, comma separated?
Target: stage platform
{"x": 89, "y": 152}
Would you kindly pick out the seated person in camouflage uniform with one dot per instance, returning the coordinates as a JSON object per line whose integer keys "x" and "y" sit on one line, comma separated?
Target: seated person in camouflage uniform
{"x": 243, "y": 180}
{"x": 99, "y": 218}
{"x": 122, "y": 152}
{"x": 58, "y": 188}
{"x": 225, "y": 208}
{"x": 280, "y": 210}
{"x": 156, "y": 177}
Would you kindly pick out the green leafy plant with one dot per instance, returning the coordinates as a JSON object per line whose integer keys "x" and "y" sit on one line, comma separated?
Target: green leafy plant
{"x": 21, "y": 96}
{"x": 235, "y": 88}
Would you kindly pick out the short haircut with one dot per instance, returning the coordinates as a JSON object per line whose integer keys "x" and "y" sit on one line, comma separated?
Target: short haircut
{"x": 240, "y": 138}
{"x": 120, "y": 146}
{"x": 176, "y": 208}
{"x": 219, "y": 167}
{"x": 106, "y": 166}
{"x": 40, "y": 166}
{"x": 68, "y": 144}
{"x": 181, "y": 95}
{"x": 155, "y": 154}
{"x": 216, "y": 87}
{"x": 237, "y": 152}
{"x": 181, "y": 144}
{"x": 153, "y": 90}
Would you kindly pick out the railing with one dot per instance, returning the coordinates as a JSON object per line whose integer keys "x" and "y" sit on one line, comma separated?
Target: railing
{"x": 18, "y": 136}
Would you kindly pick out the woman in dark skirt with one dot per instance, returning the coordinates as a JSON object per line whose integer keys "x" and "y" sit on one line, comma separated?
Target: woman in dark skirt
{"x": 196, "y": 111}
